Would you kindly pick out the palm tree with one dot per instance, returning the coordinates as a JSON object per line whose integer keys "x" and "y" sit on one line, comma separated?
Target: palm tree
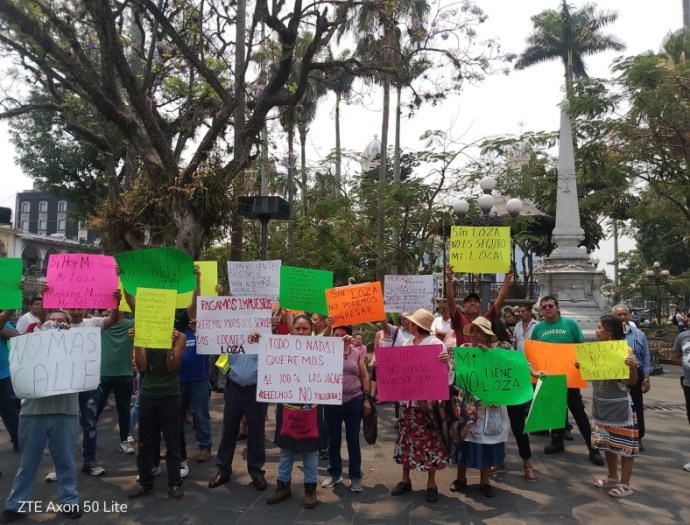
{"x": 569, "y": 34}
{"x": 305, "y": 116}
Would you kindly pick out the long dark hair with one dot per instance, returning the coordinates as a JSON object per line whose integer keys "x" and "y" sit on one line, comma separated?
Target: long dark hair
{"x": 499, "y": 328}
{"x": 612, "y": 324}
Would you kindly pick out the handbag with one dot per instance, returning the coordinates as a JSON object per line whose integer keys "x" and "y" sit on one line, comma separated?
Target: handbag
{"x": 370, "y": 426}
{"x": 300, "y": 422}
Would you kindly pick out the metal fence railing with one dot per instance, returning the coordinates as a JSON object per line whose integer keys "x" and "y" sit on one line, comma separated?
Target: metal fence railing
{"x": 660, "y": 339}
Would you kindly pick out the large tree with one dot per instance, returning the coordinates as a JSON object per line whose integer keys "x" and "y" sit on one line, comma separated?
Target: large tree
{"x": 569, "y": 35}
{"x": 174, "y": 81}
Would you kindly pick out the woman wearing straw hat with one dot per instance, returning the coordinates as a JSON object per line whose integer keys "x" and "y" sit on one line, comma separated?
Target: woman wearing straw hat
{"x": 419, "y": 445}
{"x": 486, "y": 433}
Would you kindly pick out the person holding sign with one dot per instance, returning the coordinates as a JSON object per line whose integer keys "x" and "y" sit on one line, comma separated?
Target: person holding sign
{"x": 486, "y": 430}
{"x": 9, "y": 404}
{"x": 297, "y": 432}
{"x": 472, "y": 306}
{"x": 555, "y": 328}
{"x": 419, "y": 445}
{"x": 637, "y": 340}
{"x": 52, "y": 420}
{"x": 356, "y": 402}
{"x": 159, "y": 412}
{"x": 615, "y": 422}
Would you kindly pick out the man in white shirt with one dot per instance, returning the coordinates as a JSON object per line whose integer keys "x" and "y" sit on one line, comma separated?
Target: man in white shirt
{"x": 441, "y": 325}
{"x": 523, "y": 328}
{"x": 34, "y": 315}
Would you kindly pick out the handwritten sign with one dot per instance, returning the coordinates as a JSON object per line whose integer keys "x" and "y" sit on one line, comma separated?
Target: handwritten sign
{"x": 52, "y": 362}
{"x": 209, "y": 280}
{"x": 294, "y": 369}
{"x": 603, "y": 359}
{"x": 80, "y": 280}
{"x": 254, "y": 278}
{"x": 123, "y": 306}
{"x": 483, "y": 249}
{"x": 411, "y": 373}
{"x": 549, "y": 406}
{"x": 162, "y": 268}
{"x": 407, "y": 293}
{"x": 154, "y": 318}
{"x": 496, "y": 377}
{"x": 359, "y": 303}
{"x": 555, "y": 359}
{"x": 10, "y": 276}
{"x": 304, "y": 289}
{"x": 223, "y": 324}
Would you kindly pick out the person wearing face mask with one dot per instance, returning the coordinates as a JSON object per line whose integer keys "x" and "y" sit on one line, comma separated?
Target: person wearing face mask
{"x": 558, "y": 329}
{"x": 472, "y": 306}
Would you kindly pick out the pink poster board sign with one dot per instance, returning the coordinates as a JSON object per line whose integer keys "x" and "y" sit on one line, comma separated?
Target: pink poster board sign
{"x": 411, "y": 373}
{"x": 80, "y": 280}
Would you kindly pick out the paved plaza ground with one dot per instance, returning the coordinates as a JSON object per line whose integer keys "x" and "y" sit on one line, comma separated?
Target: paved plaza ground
{"x": 564, "y": 493}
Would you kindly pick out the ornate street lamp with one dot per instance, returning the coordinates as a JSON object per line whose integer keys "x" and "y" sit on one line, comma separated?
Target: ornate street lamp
{"x": 657, "y": 276}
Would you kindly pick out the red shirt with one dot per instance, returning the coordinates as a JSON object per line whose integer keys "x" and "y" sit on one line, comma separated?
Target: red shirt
{"x": 459, "y": 320}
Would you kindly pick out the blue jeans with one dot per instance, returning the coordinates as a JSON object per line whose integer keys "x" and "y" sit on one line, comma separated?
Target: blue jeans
{"x": 134, "y": 411}
{"x": 9, "y": 410}
{"x": 88, "y": 417}
{"x": 310, "y": 460}
{"x": 197, "y": 395}
{"x": 121, "y": 386}
{"x": 60, "y": 432}
{"x": 351, "y": 414}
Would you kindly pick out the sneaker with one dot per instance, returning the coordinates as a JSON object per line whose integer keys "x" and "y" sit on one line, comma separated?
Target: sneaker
{"x": 125, "y": 448}
{"x": 176, "y": 493}
{"x": 356, "y": 485}
{"x": 204, "y": 455}
{"x": 184, "y": 470}
{"x": 331, "y": 481}
{"x": 554, "y": 447}
{"x": 51, "y": 477}
{"x": 686, "y": 467}
{"x": 93, "y": 469}
{"x": 138, "y": 491}
{"x": 130, "y": 439}
{"x": 10, "y": 516}
{"x": 155, "y": 471}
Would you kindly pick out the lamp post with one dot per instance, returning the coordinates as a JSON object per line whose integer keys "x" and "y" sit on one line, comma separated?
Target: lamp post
{"x": 485, "y": 203}
{"x": 657, "y": 276}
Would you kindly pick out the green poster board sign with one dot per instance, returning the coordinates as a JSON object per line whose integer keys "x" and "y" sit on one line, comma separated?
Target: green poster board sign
{"x": 158, "y": 268}
{"x": 304, "y": 289}
{"x": 495, "y": 376}
{"x": 549, "y": 405}
{"x": 10, "y": 277}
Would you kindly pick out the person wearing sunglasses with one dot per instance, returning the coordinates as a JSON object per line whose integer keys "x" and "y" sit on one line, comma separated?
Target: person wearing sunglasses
{"x": 554, "y": 328}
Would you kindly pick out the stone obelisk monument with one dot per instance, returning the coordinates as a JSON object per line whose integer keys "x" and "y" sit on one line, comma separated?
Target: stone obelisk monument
{"x": 567, "y": 273}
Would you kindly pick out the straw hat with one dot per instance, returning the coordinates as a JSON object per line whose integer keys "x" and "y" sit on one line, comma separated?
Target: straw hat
{"x": 422, "y": 318}
{"x": 484, "y": 325}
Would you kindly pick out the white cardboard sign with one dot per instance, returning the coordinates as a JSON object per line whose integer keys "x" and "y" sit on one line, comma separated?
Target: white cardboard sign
{"x": 407, "y": 293}
{"x": 254, "y": 278}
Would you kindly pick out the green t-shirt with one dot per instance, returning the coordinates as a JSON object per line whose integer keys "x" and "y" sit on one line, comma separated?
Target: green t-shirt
{"x": 116, "y": 350}
{"x": 565, "y": 330}
{"x": 157, "y": 381}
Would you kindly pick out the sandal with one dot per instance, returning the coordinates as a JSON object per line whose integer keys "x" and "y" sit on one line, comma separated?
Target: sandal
{"x": 530, "y": 476}
{"x": 498, "y": 469}
{"x": 606, "y": 483}
{"x": 620, "y": 491}
{"x": 458, "y": 485}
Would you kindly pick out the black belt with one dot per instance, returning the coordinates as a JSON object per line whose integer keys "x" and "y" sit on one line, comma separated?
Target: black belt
{"x": 242, "y": 387}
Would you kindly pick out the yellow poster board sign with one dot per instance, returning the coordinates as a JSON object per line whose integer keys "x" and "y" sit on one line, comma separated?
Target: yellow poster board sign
{"x": 209, "y": 280}
{"x": 154, "y": 318}
{"x": 603, "y": 359}
{"x": 480, "y": 249}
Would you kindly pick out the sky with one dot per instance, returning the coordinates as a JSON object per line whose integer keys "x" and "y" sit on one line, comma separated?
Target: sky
{"x": 499, "y": 105}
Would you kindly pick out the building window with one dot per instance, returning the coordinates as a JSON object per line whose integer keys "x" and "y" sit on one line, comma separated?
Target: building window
{"x": 42, "y": 225}
{"x": 62, "y": 206}
{"x": 43, "y": 207}
{"x": 26, "y": 207}
{"x": 25, "y": 225}
{"x": 62, "y": 224}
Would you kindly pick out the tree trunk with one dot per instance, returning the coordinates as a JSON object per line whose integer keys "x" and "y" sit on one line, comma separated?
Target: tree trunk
{"x": 337, "y": 142}
{"x": 303, "y": 167}
{"x": 239, "y": 117}
{"x": 397, "y": 260}
{"x": 380, "y": 219}
{"x": 190, "y": 231}
{"x": 291, "y": 186}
